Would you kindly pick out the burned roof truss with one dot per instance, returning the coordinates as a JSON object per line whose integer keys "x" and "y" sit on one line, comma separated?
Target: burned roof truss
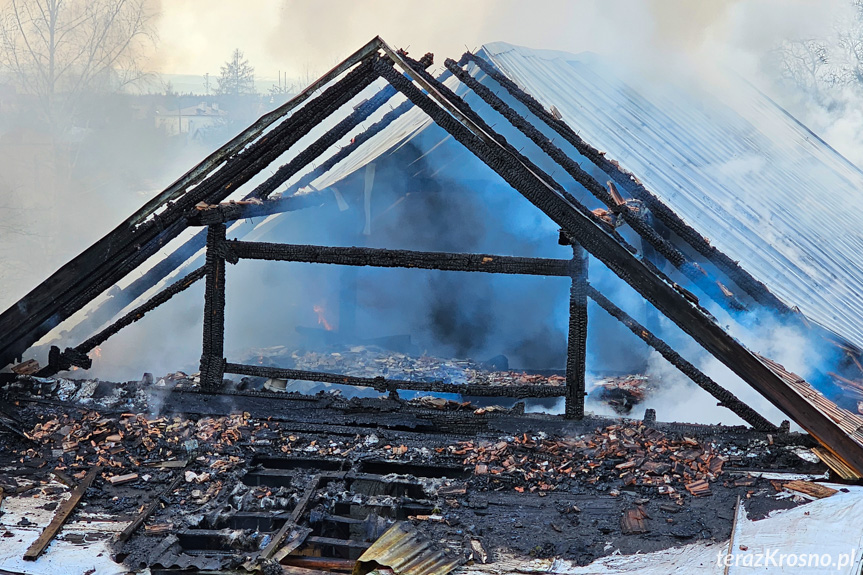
{"x": 215, "y": 179}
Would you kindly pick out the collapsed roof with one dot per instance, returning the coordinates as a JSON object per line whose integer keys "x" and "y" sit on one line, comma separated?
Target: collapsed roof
{"x": 571, "y": 103}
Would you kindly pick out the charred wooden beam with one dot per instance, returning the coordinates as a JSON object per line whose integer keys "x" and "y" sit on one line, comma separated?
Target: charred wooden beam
{"x": 212, "y": 353}
{"x": 124, "y": 249}
{"x": 636, "y": 221}
{"x": 120, "y": 298}
{"x": 128, "y": 319}
{"x": 248, "y": 135}
{"x": 465, "y": 111}
{"x": 725, "y": 397}
{"x": 65, "y": 360}
{"x": 757, "y": 290}
{"x": 576, "y": 344}
{"x": 240, "y": 211}
{"x": 296, "y": 515}
{"x": 383, "y": 385}
{"x": 377, "y": 257}
{"x": 513, "y": 169}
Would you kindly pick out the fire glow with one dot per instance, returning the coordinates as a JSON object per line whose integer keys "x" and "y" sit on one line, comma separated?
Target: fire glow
{"x": 322, "y": 320}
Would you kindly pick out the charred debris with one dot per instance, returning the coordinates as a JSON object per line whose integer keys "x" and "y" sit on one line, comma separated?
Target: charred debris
{"x": 199, "y": 472}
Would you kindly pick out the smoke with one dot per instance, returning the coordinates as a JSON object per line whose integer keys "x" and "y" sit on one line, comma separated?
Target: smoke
{"x": 457, "y": 205}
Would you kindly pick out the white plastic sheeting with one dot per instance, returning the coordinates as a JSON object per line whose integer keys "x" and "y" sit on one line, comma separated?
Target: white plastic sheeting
{"x": 82, "y": 546}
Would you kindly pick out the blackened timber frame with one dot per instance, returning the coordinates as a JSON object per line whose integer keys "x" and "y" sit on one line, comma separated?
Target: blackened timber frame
{"x": 220, "y": 250}
{"x": 517, "y": 171}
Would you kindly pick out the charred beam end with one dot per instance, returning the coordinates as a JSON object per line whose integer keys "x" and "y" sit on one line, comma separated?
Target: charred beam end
{"x": 756, "y": 289}
{"x": 636, "y": 222}
{"x": 376, "y": 257}
{"x": 63, "y": 361}
{"x": 725, "y": 397}
{"x": 231, "y": 212}
{"x": 576, "y": 347}
{"x": 212, "y": 353}
{"x": 388, "y": 385}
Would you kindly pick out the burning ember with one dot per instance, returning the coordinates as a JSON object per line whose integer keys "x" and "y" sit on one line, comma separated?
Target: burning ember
{"x": 96, "y": 353}
{"x": 322, "y": 320}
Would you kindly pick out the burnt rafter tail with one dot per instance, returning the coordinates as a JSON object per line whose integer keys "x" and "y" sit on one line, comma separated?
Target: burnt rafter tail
{"x": 616, "y": 257}
{"x": 377, "y": 257}
{"x": 123, "y": 250}
{"x": 689, "y": 268}
{"x": 383, "y": 385}
{"x": 757, "y": 290}
{"x": 725, "y": 397}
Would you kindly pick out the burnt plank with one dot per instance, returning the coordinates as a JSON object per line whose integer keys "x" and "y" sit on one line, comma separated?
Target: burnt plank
{"x": 377, "y": 257}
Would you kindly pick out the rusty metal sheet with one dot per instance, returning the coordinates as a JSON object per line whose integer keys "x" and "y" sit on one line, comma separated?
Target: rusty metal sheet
{"x": 407, "y": 552}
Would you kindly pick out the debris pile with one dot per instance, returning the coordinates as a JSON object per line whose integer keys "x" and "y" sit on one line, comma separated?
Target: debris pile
{"x": 373, "y": 361}
{"x": 626, "y": 456}
{"x": 622, "y": 393}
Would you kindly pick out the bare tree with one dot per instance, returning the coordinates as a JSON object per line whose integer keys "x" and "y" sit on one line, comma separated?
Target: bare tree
{"x": 60, "y": 50}
{"x": 237, "y": 77}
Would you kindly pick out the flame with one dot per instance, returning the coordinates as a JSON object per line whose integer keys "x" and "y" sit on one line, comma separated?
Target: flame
{"x": 319, "y": 309}
{"x": 96, "y": 352}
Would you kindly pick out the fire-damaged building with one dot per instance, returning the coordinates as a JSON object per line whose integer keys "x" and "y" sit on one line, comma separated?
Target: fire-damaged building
{"x": 383, "y": 414}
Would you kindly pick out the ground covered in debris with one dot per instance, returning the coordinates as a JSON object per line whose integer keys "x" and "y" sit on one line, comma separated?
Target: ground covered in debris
{"x": 320, "y": 478}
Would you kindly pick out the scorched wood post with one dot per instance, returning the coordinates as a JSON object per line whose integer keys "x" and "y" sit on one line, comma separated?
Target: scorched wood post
{"x": 212, "y": 353}
{"x": 576, "y": 346}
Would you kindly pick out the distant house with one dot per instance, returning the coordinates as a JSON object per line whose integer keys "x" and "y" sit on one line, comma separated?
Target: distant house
{"x": 188, "y": 120}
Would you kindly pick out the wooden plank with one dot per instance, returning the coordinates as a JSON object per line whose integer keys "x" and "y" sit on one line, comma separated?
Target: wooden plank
{"x": 730, "y": 550}
{"x": 809, "y": 488}
{"x": 148, "y": 510}
{"x": 63, "y": 513}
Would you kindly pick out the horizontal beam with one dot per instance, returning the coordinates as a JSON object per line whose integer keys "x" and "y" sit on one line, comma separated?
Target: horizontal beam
{"x": 383, "y": 258}
{"x": 384, "y": 385}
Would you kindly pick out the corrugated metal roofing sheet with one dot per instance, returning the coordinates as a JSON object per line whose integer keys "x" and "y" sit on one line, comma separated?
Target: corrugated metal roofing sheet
{"x": 761, "y": 186}
{"x": 407, "y": 552}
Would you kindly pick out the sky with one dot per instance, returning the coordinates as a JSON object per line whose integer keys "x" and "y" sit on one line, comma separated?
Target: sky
{"x": 307, "y": 37}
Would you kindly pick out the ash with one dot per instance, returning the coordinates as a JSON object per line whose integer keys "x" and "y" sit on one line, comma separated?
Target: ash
{"x": 324, "y": 476}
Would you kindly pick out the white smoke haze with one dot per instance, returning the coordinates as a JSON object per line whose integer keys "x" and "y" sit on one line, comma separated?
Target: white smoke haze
{"x": 53, "y": 208}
